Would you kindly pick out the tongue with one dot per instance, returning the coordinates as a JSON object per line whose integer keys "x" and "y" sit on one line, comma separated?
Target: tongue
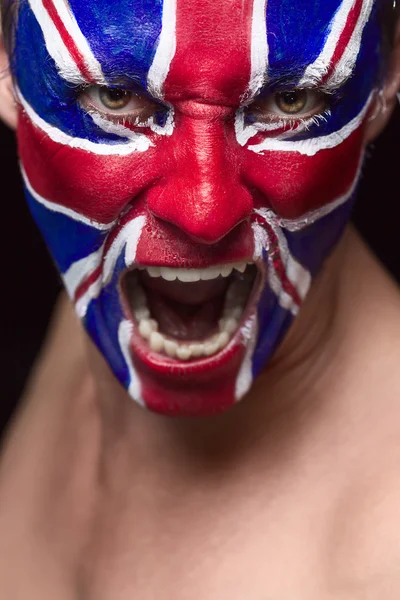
{"x": 185, "y": 321}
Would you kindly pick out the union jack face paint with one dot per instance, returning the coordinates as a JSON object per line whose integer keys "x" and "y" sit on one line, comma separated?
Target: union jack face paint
{"x": 188, "y": 240}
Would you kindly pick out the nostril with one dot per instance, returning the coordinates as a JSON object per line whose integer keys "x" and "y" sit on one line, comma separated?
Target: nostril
{"x": 201, "y": 232}
{"x": 205, "y": 220}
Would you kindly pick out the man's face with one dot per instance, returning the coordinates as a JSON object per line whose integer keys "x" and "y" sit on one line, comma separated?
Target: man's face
{"x": 191, "y": 163}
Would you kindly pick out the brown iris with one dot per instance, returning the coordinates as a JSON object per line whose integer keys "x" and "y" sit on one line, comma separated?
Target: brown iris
{"x": 291, "y": 102}
{"x": 114, "y": 98}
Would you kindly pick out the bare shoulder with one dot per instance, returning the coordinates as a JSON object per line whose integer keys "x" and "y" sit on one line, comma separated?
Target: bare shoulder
{"x": 39, "y": 454}
{"x": 364, "y": 543}
{"x": 364, "y": 539}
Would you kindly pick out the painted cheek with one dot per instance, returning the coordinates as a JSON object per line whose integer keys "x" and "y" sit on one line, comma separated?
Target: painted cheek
{"x": 293, "y": 184}
{"x": 99, "y": 187}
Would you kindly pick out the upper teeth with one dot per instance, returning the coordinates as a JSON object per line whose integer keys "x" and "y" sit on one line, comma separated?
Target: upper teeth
{"x": 189, "y": 275}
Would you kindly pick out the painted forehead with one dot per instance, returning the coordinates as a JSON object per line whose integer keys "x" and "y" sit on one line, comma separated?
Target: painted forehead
{"x": 208, "y": 37}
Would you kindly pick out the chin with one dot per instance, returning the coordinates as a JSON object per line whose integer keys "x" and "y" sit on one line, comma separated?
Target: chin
{"x": 181, "y": 341}
{"x": 188, "y": 342}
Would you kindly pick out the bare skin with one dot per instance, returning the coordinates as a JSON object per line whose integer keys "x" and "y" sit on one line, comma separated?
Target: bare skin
{"x": 294, "y": 493}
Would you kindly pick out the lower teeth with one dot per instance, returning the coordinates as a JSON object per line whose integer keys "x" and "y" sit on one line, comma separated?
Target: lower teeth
{"x": 235, "y": 301}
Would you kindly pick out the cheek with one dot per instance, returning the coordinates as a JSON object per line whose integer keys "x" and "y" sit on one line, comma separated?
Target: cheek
{"x": 293, "y": 184}
{"x": 99, "y": 187}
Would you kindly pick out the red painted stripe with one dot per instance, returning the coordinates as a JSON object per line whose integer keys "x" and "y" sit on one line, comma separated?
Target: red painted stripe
{"x": 345, "y": 37}
{"x": 68, "y": 40}
{"x": 98, "y": 187}
{"x": 213, "y": 51}
{"x": 275, "y": 253}
{"x": 294, "y": 184}
{"x": 85, "y": 285}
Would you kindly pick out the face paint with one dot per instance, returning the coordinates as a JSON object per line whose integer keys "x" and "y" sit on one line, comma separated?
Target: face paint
{"x": 188, "y": 238}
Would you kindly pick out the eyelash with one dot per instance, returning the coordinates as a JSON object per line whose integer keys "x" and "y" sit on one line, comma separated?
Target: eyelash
{"x": 278, "y": 121}
{"x": 306, "y": 122}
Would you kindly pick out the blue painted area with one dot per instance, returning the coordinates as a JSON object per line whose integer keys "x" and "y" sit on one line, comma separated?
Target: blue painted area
{"x": 102, "y": 321}
{"x": 296, "y": 34}
{"x": 123, "y": 35}
{"x": 68, "y": 240}
{"x": 273, "y": 322}
{"x": 106, "y": 340}
{"x": 311, "y": 246}
{"x": 52, "y": 98}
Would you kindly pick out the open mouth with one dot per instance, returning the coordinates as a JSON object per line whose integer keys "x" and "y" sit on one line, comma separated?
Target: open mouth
{"x": 188, "y": 314}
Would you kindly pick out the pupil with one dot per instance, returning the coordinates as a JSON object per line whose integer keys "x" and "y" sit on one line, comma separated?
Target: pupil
{"x": 114, "y": 98}
{"x": 115, "y": 95}
{"x": 290, "y": 98}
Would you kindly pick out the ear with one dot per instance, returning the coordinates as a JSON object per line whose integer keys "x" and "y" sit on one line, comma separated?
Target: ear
{"x": 8, "y": 106}
{"x": 388, "y": 95}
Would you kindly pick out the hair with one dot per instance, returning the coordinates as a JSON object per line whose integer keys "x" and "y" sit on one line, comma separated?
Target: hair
{"x": 8, "y": 13}
{"x": 389, "y": 15}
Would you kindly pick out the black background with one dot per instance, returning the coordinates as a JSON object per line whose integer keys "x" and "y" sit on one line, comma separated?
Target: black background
{"x": 30, "y": 284}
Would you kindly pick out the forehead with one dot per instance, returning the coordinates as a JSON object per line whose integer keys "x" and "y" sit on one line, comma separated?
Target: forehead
{"x": 124, "y": 35}
{"x": 218, "y": 51}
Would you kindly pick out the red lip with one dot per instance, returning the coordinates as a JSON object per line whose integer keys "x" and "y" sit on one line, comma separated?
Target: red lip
{"x": 201, "y": 386}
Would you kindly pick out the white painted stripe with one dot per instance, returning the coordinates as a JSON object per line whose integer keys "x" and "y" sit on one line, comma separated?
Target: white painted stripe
{"x": 318, "y": 69}
{"x": 125, "y": 132}
{"x": 125, "y": 331}
{"x": 262, "y": 242}
{"x": 81, "y": 269}
{"x": 259, "y": 48}
{"x": 346, "y": 64}
{"x": 81, "y": 42}
{"x": 138, "y": 144}
{"x": 66, "y": 65}
{"x": 245, "y": 131}
{"x": 78, "y": 272}
{"x": 129, "y": 237}
{"x": 298, "y": 275}
{"x": 91, "y": 293}
{"x": 63, "y": 210}
{"x": 313, "y": 145}
{"x": 315, "y": 215}
{"x": 165, "y": 50}
{"x": 249, "y": 337}
{"x": 115, "y": 128}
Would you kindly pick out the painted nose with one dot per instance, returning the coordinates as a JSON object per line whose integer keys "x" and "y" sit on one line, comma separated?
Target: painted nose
{"x": 202, "y": 193}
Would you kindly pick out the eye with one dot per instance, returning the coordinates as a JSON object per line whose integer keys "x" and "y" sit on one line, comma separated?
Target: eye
{"x": 291, "y": 103}
{"x": 114, "y": 98}
{"x": 288, "y": 104}
{"x": 119, "y": 104}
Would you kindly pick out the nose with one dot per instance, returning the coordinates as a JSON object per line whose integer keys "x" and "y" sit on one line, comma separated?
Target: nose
{"x": 201, "y": 192}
